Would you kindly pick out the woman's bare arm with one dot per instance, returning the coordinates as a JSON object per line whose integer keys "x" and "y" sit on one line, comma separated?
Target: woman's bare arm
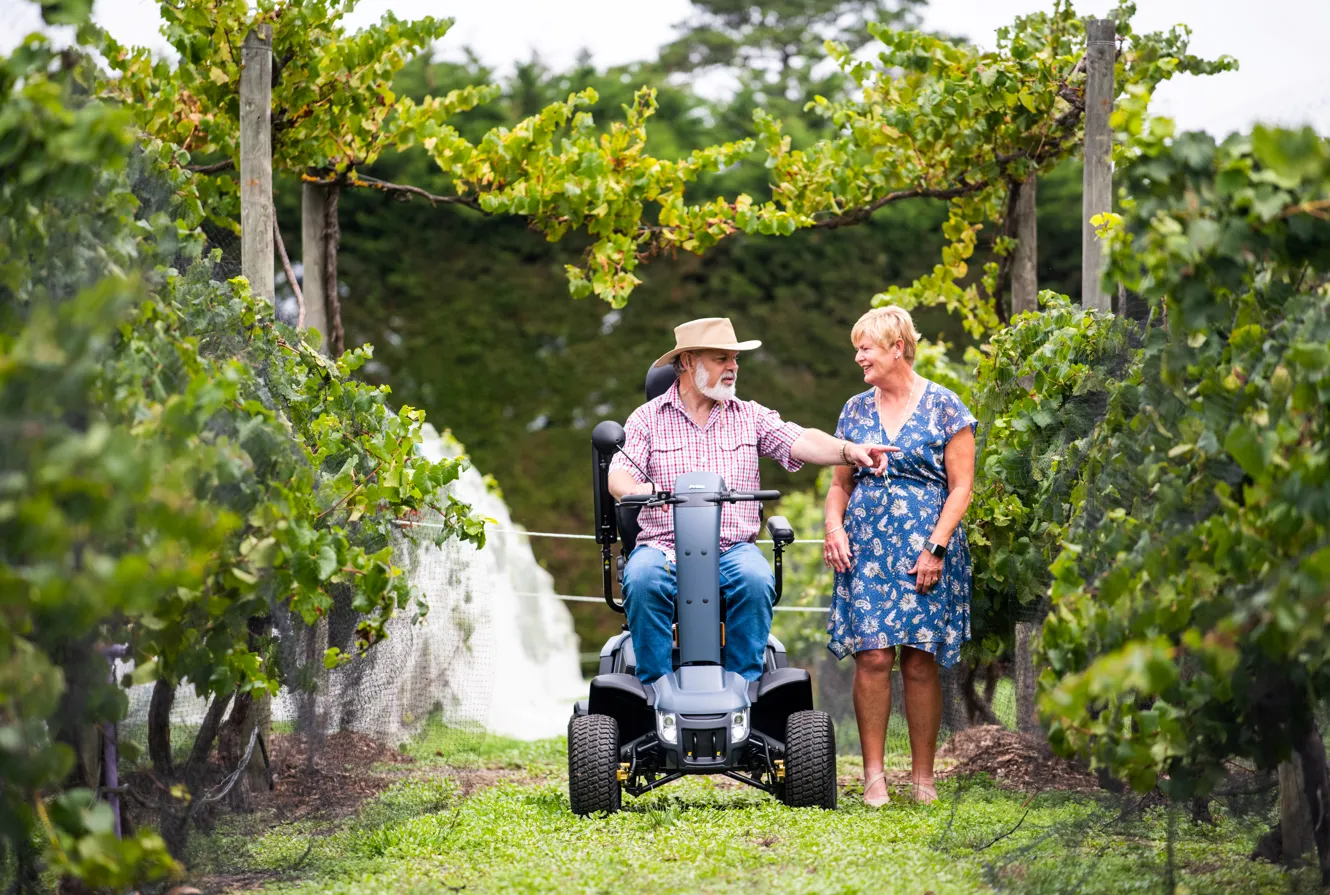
{"x": 836, "y": 546}
{"x": 958, "y": 460}
{"x": 838, "y": 496}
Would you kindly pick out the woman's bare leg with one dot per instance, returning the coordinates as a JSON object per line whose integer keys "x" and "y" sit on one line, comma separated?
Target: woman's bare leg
{"x": 872, "y": 710}
{"x": 923, "y": 716}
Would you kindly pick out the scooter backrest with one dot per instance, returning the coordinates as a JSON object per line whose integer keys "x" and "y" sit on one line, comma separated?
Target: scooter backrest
{"x": 658, "y": 381}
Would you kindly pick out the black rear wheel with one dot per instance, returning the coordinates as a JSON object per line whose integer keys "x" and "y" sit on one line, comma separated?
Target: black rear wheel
{"x": 593, "y": 764}
{"x": 810, "y": 761}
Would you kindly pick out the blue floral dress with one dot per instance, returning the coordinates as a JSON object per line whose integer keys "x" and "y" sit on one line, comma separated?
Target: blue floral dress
{"x": 877, "y": 603}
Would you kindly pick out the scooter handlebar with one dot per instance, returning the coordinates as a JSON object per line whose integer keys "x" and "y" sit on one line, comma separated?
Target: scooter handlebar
{"x": 663, "y": 498}
{"x": 738, "y": 496}
{"x": 658, "y": 499}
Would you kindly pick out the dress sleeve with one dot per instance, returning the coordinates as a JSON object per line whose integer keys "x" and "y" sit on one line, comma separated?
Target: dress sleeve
{"x": 843, "y": 423}
{"x": 775, "y": 437}
{"x": 955, "y": 416}
{"x": 636, "y": 444}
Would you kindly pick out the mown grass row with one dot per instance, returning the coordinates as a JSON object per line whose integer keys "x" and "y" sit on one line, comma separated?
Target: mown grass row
{"x": 424, "y": 835}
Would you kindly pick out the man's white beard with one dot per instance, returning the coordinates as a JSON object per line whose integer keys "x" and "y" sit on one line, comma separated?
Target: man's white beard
{"x": 717, "y": 392}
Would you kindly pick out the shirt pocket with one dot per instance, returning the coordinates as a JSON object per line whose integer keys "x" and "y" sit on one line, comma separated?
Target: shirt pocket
{"x": 668, "y": 439}
{"x": 669, "y": 455}
{"x": 737, "y": 460}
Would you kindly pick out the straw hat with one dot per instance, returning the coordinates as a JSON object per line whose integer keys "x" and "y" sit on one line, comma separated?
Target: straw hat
{"x": 715, "y": 333}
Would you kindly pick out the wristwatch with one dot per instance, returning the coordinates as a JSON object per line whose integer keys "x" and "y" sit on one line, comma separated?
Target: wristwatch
{"x": 937, "y": 550}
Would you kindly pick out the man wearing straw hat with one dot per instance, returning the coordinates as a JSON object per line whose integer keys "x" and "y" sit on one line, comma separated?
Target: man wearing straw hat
{"x": 700, "y": 426}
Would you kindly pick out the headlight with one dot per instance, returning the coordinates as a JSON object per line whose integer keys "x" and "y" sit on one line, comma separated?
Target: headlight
{"x": 739, "y": 725}
{"x": 667, "y": 725}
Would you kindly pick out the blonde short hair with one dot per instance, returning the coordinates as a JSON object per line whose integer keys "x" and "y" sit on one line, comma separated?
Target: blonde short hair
{"x": 884, "y": 326}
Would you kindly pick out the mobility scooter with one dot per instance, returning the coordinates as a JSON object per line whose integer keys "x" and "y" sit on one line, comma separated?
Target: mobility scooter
{"x": 699, "y": 719}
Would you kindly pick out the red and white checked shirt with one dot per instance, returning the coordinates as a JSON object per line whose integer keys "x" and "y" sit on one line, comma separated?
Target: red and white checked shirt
{"x": 664, "y": 441}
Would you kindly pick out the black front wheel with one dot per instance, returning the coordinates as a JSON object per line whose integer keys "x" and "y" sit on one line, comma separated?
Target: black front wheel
{"x": 593, "y": 764}
{"x": 810, "y": 761}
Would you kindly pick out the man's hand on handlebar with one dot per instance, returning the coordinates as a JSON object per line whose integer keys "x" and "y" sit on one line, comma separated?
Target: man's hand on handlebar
{"x": 647, "y": 498}
{"x": 870, "y": 456}
{"x": 622, "y": 483}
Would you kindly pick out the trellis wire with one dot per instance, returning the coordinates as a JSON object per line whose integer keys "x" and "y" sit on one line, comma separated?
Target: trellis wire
{"x": 406, "y": 523}
{"x": 577, "y": 598}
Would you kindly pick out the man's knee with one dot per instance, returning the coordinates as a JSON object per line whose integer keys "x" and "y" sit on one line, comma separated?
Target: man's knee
{"x": 647, "y": 574}
{"x": 750, "y": 575}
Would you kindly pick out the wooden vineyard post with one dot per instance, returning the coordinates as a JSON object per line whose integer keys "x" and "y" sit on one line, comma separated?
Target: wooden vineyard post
{"x": 257, "y": 255}
{"x": 256, "y": 215}
{"x": 1024, "y": 264}
{"x": 313, "y": 258}
{"x": 1096, "y": 198}
{"x": 1295, "y": 817}
{"x": 1024, "y": 297}
{"x": 1097, "y": 195}
{"x": 314, "y": 262}
{"x": 1025, "y": 677}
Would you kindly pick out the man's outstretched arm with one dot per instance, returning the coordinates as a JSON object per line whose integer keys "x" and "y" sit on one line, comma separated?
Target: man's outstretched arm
{"x": 816, "y": 446}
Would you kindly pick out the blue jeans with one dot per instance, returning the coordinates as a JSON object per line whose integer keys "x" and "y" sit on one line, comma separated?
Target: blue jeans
{"x": 746, "y": 582}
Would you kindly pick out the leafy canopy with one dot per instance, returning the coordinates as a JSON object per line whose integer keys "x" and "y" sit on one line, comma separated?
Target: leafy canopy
{"x": 933, "y": 119}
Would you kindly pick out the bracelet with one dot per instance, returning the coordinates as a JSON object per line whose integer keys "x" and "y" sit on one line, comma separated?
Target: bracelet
{"x": 830, "y": 531}
{"x": 845, "y": 461}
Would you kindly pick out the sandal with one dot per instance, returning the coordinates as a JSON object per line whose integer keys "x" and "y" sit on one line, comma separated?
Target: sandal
{"x": 876, "y": 801}
{"x": 925, "y": 793}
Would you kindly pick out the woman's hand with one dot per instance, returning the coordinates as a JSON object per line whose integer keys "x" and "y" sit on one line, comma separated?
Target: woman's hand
{"x": 836, "y": 551}
{"x": 927, "y": 570}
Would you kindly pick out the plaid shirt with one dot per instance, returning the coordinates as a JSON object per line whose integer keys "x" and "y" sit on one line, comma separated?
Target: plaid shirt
{"x": 664, "y": 441}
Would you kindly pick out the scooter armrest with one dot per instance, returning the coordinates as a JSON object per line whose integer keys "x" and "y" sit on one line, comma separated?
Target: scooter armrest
{"x": 781, "y": 531}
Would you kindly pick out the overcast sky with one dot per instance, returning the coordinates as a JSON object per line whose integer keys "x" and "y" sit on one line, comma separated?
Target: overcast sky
{"x": 1280, "y": 44}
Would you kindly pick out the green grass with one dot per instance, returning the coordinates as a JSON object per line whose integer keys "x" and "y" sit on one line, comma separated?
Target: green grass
{"x": 424, "y": 835}
{"x": 474, "y": 747}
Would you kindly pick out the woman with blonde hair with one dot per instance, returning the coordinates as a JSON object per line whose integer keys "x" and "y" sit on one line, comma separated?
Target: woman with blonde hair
{"x": 896, "y": 544}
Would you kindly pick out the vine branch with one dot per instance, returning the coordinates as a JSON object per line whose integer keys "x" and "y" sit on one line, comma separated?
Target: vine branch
{"x": 215, "y": 168}
{"x": 1075, "y": 99}
{"x": 401, "y": 191}
{"x": 290, "y": 274}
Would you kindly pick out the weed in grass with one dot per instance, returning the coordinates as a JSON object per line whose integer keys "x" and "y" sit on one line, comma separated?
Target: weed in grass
{"x": 660, "y": 818}
{"x": 410, "y": 798}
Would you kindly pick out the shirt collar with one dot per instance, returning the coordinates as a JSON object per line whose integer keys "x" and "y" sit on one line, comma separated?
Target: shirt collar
{"x": 672, "y": 399}
{"x": 672, "y": 395}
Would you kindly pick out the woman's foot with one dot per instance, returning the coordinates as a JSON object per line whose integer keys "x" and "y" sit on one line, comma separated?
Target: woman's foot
{"x": 875, "y": 791}
{"x": 925, "y": 793}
